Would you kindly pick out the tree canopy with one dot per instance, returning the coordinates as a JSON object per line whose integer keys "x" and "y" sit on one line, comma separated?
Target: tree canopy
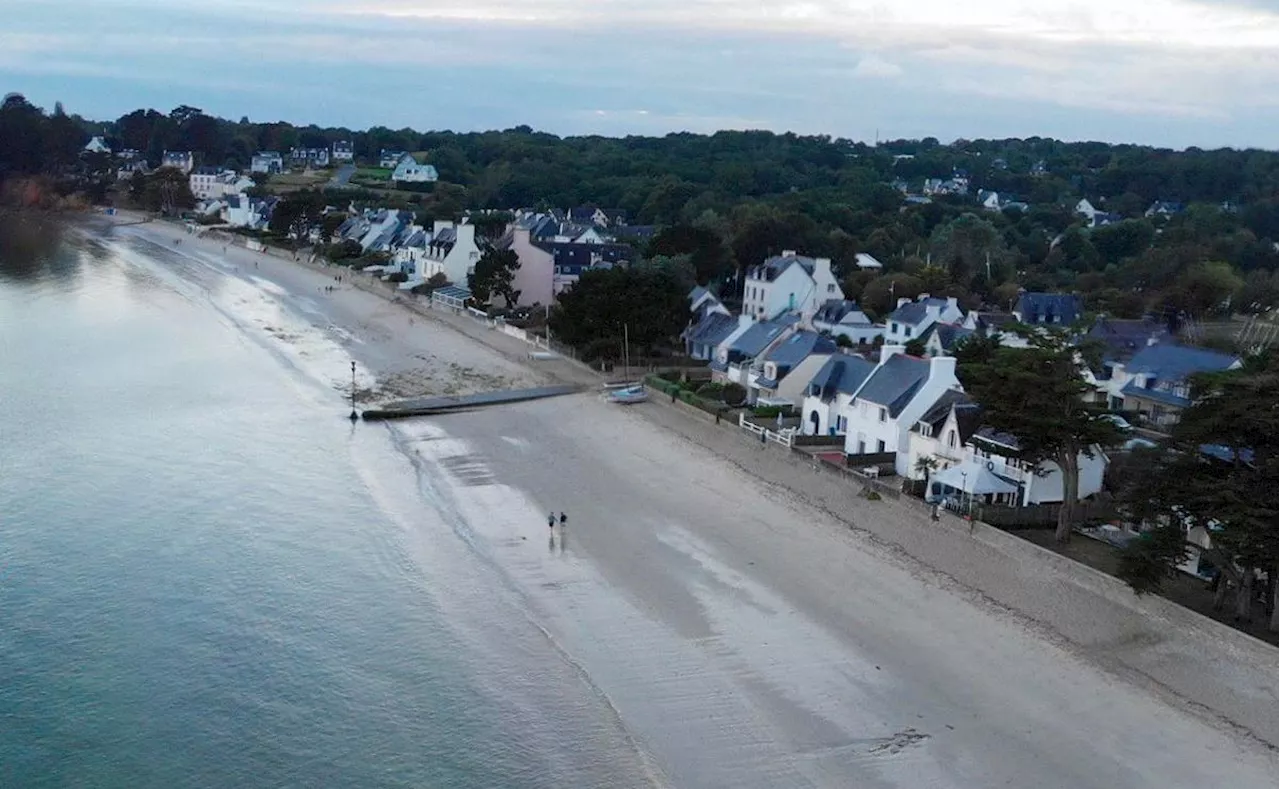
{"x": 495, "y": 276}
{"x": 1036, "y": 394}
{"x": 646, "y": 304}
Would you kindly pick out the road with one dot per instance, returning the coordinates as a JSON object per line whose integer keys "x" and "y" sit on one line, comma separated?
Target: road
{"x": 342, "y": 175}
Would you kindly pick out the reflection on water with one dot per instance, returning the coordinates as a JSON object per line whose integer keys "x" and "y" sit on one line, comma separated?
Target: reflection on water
{"x": 31, "y": 248}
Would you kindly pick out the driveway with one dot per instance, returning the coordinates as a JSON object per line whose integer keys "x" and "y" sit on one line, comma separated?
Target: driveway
{"x": 343, "y": 175}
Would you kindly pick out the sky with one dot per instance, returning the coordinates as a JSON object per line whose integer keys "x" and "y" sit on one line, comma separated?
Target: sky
{"x": 1172, "y": 73}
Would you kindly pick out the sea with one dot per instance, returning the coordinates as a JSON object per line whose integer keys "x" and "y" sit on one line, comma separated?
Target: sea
{"x": 209, "y": 577}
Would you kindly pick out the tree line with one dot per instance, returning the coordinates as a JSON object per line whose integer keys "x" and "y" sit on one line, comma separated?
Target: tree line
{"x": 727, "y": 200}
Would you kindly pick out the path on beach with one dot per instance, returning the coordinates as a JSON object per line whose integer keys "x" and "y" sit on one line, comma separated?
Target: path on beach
{"x": 750, "y": 638}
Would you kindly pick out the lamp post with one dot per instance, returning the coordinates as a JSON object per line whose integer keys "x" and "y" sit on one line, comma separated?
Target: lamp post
{"x": 964, "y": 483}
{"x": 354, "y": 416}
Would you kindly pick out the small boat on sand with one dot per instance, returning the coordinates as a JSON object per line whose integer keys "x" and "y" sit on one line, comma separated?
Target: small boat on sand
{"x": 629, "y": 396}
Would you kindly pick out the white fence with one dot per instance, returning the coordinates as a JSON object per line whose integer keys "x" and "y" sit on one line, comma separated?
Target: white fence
{"x": 765, "y": 434}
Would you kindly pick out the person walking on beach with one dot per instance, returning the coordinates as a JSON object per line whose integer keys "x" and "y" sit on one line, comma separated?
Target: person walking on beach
{"x": 563, "y": 519}
{"x": 551, "y": 521}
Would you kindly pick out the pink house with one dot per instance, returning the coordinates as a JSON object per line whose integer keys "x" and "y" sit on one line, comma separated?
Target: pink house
{"x": 537, "y": 269}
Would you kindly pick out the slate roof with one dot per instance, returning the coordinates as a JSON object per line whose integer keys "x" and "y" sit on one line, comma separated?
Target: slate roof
{"x": 937, "y": 414}
{"x": 1123, "y": 338}
{"x": 1157, "y": 395}
{"x": 993, "y": 436}
{"x": 913, "y": 312}
{"x": 774, "y": 266}
{"x": 205, "y": 170}
{"x": 1172, "y": 362}
{"x": 895, "y": 382}
{"x": 1035, "y": 307}
{"x": 755, "y": 339}
{"x": 697, "y": 293}
{"x": 842, "y": 374}
{"x": 834, "y": 310}
{"x": 798, "y": 347}
{"x": 713, "y": 329}
{"x": 949, "y": 334}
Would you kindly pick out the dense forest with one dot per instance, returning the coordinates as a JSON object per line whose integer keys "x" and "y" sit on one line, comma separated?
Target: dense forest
{"x": 729, "y": 199}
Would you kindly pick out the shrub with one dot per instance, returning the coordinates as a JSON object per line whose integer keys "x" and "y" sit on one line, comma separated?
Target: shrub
{"x": 843, "y": 341}
{"x": 734, "y": 394}
{"x": 712, "y": 391}
{"x": 770, "y": 411}
{"x": 397, "y": 276}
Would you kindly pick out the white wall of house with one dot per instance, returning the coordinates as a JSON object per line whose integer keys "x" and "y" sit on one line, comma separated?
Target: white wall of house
{"x": 535, "y": 278}
{"x": 407, "y": 170}
{"x": 832, "y": 416}
{"x": 461, "y": 258}
{"x": 872, "y": 429}
{"x": 900, "y": 332}
{"x": 721, "y": 353}
{"x": 791, "y": 389}
{"x": 793, "y": 290}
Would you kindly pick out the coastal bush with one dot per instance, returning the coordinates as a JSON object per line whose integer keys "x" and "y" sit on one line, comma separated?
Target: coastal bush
{"x": 770, "y": 411}
{"x": 734, "y": 394}
{"x": 397, "y": 276}
{"x": 711, "y": 390}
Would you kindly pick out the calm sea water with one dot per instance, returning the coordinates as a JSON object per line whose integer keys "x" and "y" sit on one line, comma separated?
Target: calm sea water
{"x": 208, "y": 578}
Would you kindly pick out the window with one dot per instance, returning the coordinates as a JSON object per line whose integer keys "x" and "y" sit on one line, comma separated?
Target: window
{"x": 893, "y": 328}
{"x": 951, "y": 438}
{"x": 884, "y": 415}
{"x": 906, "y": 331}
{"x": 842, "y": 423}
{"x": 831, "y": 288}
{"x": 879, "y": 446}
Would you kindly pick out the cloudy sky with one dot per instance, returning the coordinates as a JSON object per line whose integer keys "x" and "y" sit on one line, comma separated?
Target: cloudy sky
{"x": 1164, "y": 72}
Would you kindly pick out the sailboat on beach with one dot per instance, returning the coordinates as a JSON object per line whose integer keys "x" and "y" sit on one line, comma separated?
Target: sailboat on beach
{"x": 629, "y": 393}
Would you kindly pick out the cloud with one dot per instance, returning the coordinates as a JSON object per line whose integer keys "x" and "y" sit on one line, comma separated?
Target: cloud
{"x": 875, "y": 67}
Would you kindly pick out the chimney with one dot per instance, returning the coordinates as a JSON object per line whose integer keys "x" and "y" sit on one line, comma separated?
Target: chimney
{"x": 922, "y": 297}
{"x": 822, "y": 265}
{"x": 903, "y": 300}
{"x": 466, "y": 234}
{"x": 889, "y": 351}
{"x": 953, "y": 302}
{"x": 941, "y": 367}
{"x": 788, "y": 253}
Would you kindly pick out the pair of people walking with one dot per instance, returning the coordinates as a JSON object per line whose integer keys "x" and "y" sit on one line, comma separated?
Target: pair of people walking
{"x": 551, "y": 520}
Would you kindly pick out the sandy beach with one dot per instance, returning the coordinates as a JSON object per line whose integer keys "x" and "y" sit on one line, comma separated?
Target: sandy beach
{"x": 783, "y": 633}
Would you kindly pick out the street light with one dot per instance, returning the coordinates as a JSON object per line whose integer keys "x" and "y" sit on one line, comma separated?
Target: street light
{"x": 354, "y": 416}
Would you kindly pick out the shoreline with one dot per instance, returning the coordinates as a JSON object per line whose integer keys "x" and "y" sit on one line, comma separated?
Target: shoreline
{"x": 1224, "y": 684}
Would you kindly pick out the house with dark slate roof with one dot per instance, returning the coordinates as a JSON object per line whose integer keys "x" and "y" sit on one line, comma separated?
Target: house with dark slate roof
{"x": 843, "y": 317}
{"x": 739, "y": 357}
{"x": 702, "y": 339}
{"x": 1048, "y": 309}
{"x": 912, "y": 319}
{"x": 788, "y": 283}
{"x": 788, "y": 367}
{"x": 972, "y": 462}
{"x": 941, "y": 339}
{"x": 891, "y": 400}
{"x": 1156, "y": 381}
{"x": 829, "y": 393}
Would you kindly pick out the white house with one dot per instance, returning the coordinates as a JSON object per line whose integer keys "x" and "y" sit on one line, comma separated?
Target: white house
{"x": 739, "y": 358}
{"x": 1085, "y": 209}
{"x": 1163, "y": 208}
{"x": 244, "y": 211}
{"x": 179, "y": 160}
{"x": 202, "y": 182}
{"x": 843, "y": 318}
{"x": 824, "y": 409}
{"x": 343, "y": 151}
{"x": 787, "y": 367}
{"x": 912, "y": 319}
{"x": 266, "y": 162}
{"x": 1048, "y": 309}
{"x": 407, "y": 170}
{"x": 989, "y": 200}
{"x": 535, "y": 279}
{"x": 788, "y": 283}
{"x": 880, "y": 416}
{"x": 97, "y": 145}
{"x": 309, "y": 157}
{"x": 866, "y": 262}
{"x": 452, "y": 251}
{"x": 973, "y": 462}
{"x": 1155, "y": 381}
{"x": 389, "y": 159}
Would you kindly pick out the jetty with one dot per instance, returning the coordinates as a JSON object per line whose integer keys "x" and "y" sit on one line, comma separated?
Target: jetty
{"x": 432, "y": 406}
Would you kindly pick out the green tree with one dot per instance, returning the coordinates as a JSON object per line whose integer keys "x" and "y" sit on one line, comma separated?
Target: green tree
{"x": 708, "y": 254}
{"x": 494, "y": 275}
{"x": 296, "y": 214}
{"x": 1229, "y": 495}
{"x": 646, "y": 303}
{"x": 881, "y": 294}
{"x": 915, "y": 347}
{"x": 1036, "y": 394}
{"x": 964, "y": 246}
